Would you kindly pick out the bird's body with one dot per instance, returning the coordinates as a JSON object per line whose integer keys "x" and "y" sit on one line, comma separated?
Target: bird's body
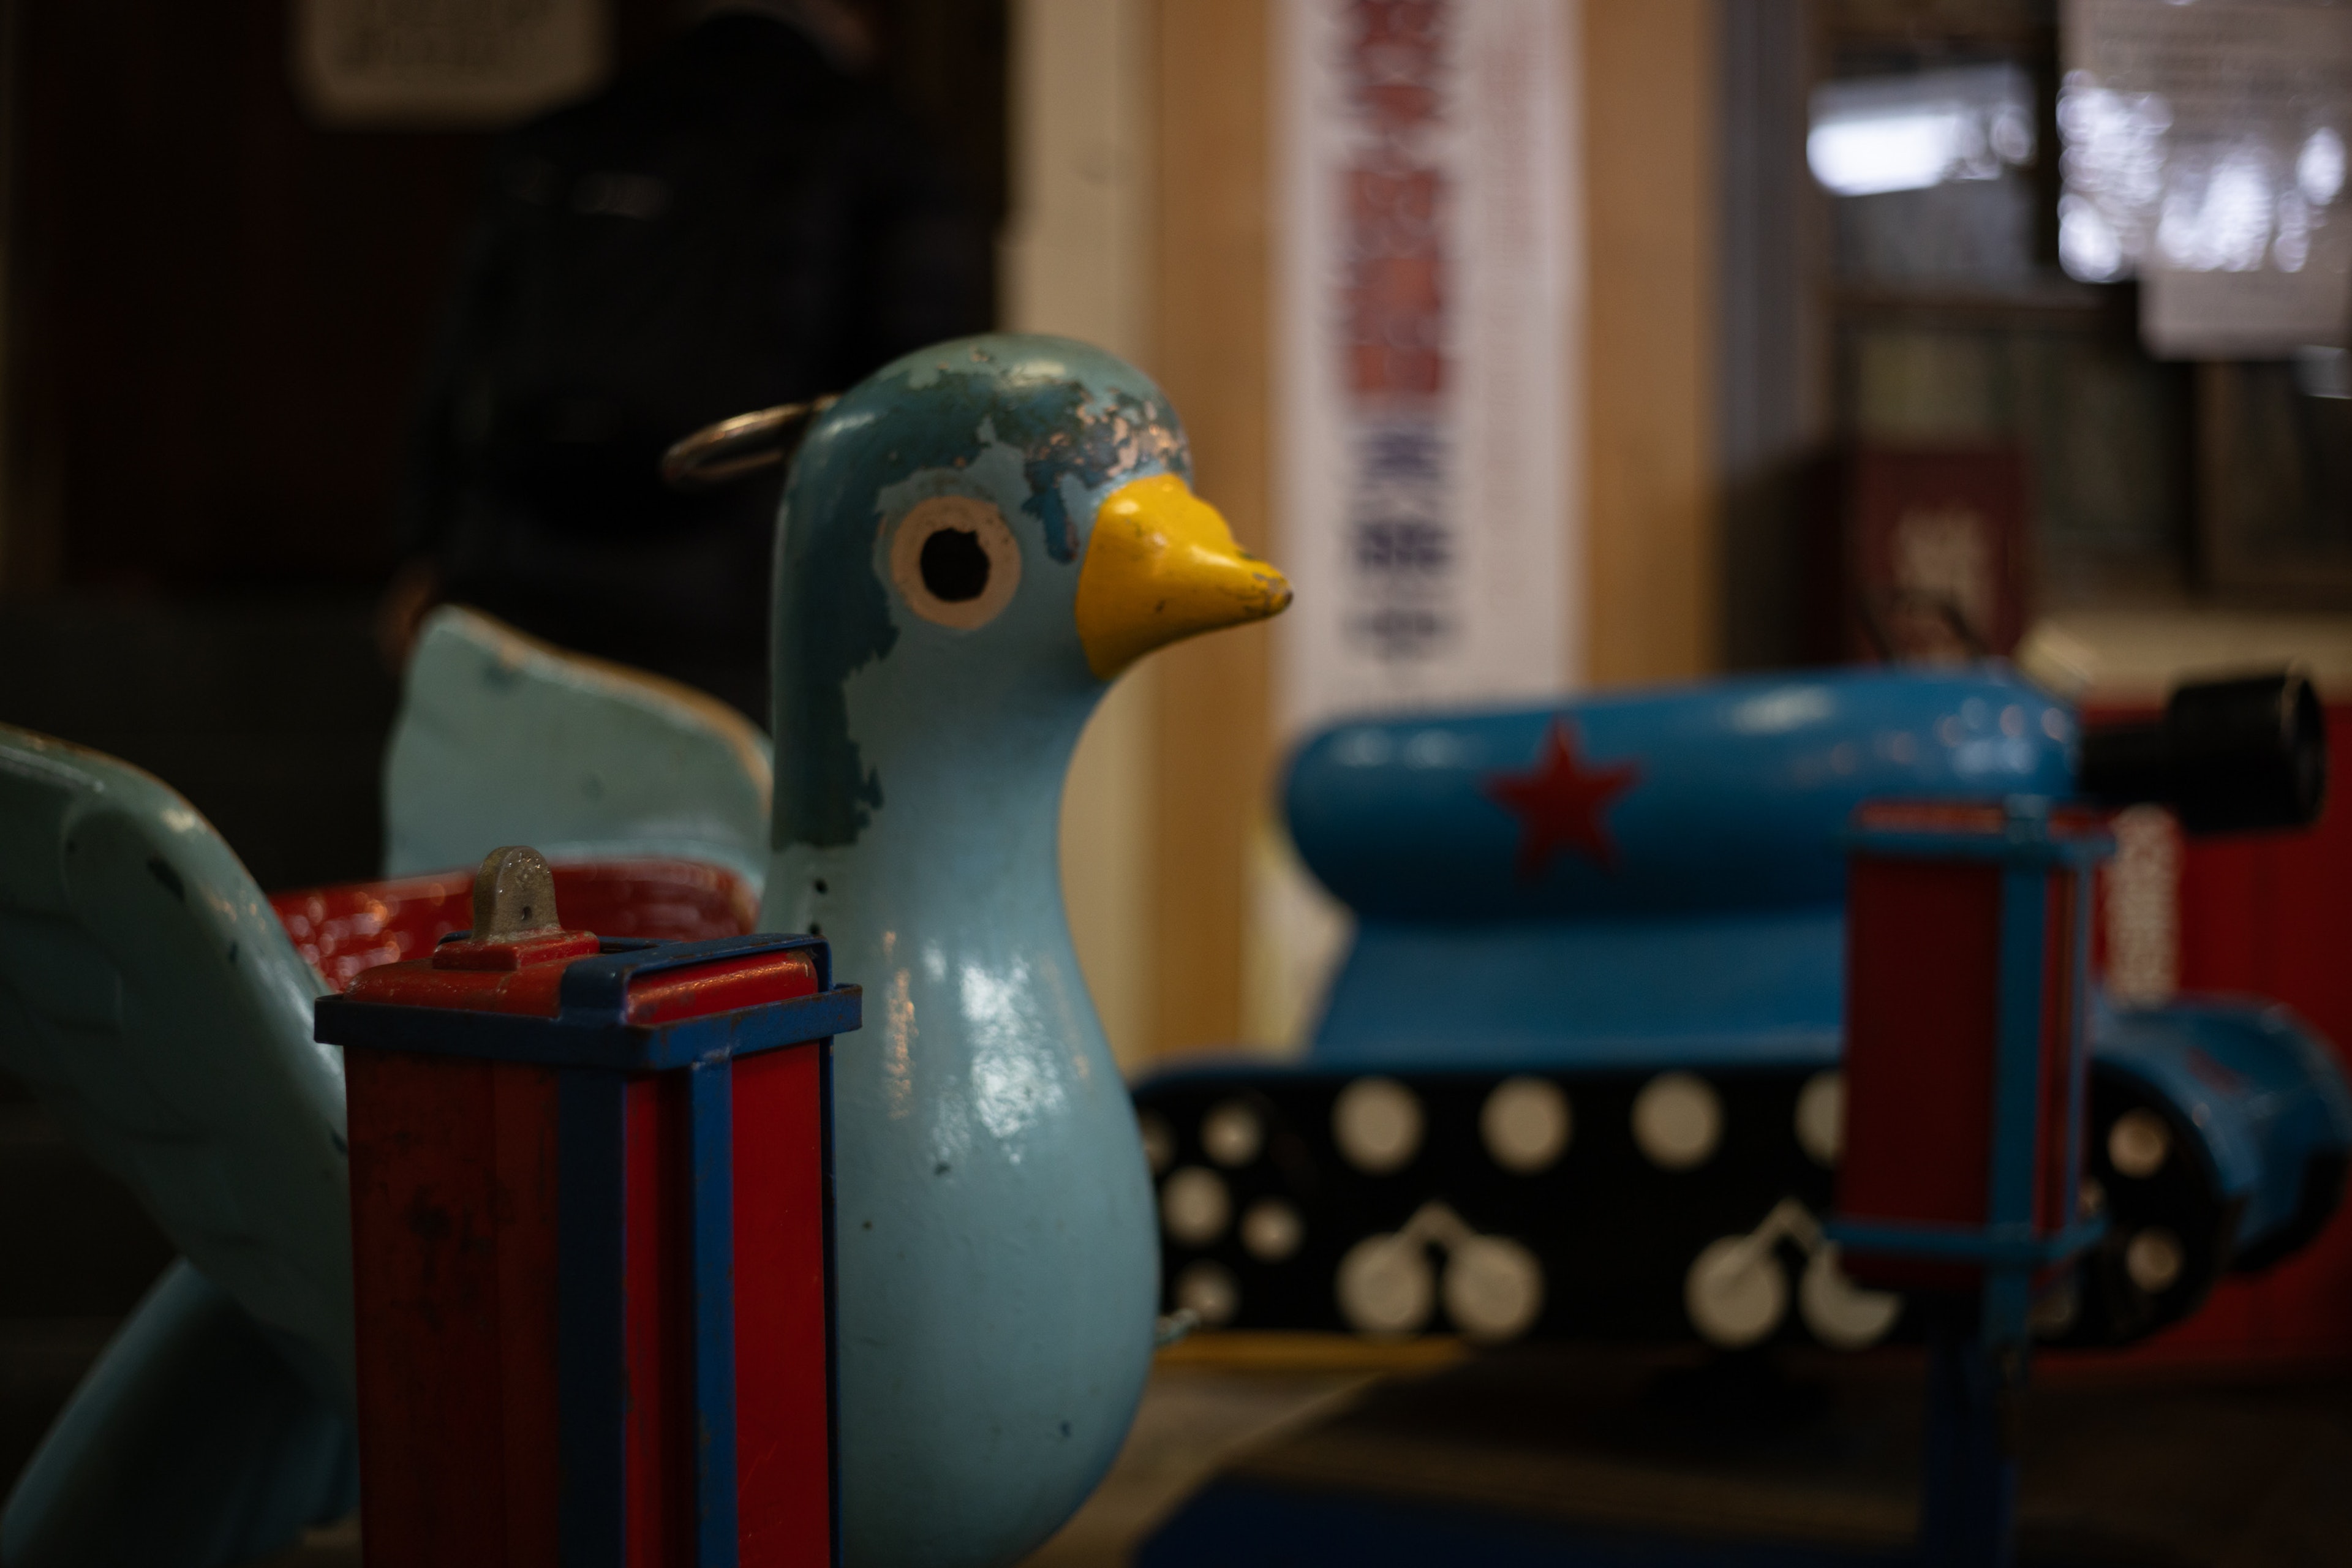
{"x": 997, "y": 1261}
{"x": 996, "y": 1251}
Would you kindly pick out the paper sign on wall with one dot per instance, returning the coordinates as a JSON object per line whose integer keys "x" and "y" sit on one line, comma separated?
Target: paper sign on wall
{"x": 1426, "y": 421}
{"x": 2206, "y": 154}
{"x": 1424, "y": 401}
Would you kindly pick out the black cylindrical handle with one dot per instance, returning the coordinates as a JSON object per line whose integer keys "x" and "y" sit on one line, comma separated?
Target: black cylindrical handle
{"x": 2228, "y": 756}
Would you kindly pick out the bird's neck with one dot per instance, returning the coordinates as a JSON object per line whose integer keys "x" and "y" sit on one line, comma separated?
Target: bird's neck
{"x": 959, "y": 856}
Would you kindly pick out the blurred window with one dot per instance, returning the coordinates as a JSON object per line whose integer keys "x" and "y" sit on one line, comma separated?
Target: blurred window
{"x": 1910, "y": 132}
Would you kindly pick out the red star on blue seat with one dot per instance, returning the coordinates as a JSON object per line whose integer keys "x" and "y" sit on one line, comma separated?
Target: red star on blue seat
{"x": 1559, "y": 803}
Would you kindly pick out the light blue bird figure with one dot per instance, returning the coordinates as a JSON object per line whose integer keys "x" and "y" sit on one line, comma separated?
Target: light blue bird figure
{"x": 973, "y": 542}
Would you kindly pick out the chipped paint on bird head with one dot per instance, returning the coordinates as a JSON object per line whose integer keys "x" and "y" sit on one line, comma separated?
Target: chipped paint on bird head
{"x": 1040, "y": 429}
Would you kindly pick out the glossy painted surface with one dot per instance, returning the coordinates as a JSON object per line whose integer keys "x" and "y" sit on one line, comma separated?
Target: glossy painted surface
{"x": 1654, "y": 878}
{"x": 2264, "y": 1094}
{"x": 1657, "y": 880}
{"x": 1161, "y": 565}
{"x": 502, "y": 739}
{"x": 1709, "y": 990}
{"x": 996, "y": 1248}
{"x": 1718, "y": 796}
{"x": 151, "y": 999}
{"x": 160, "y": 1012}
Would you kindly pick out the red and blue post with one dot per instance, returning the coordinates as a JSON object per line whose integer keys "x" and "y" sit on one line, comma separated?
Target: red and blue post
{"x": 1967, "y": 989}
{"x": 592, "y": 1237}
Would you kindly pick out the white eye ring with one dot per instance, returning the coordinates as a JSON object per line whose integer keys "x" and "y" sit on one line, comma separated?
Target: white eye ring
{"x": 961, "y": 582}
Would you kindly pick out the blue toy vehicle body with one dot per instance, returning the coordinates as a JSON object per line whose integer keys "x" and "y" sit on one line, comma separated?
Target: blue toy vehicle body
{"x": 1646, "y": 891}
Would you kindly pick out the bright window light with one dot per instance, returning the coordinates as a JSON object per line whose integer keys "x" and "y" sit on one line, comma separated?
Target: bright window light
{"x": 1891, "y": 153}
{"x": 1875, "y": 135}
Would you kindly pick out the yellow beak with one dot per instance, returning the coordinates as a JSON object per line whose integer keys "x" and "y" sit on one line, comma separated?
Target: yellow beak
{"x": 1161, "y": 566}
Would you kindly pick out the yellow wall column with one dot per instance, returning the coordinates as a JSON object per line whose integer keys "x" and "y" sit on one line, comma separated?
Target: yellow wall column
{"x": 1212, "y": 278}
{"x": 1144, "y": 220}
{"x": 1653, "y": 594}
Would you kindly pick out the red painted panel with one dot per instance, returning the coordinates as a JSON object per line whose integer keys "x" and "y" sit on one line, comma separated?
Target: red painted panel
{"x": 668, "y": 995}
{"x": 659, "y": 1336}
{"x": 431, "y": 1300}
{"x": 343, "y": 931}
{"x": 781, "y": 1372}
{"x": 505, "y": 955}
{"x": 533, "y": 990}
{"x": 527, "y": 1195}
{"x": 1923, "y": 957}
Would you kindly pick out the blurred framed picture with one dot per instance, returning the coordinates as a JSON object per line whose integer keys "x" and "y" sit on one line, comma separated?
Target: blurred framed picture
{"x": 1932, "y": 551}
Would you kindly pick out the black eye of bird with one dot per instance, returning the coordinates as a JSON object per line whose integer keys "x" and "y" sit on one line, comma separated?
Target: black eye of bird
{"x": 955, "y": 566}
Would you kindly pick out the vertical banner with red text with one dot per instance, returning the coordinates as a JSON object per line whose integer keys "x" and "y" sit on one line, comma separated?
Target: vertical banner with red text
{"x": 1427, "y": 416}
{"x": 1422, "y": 387}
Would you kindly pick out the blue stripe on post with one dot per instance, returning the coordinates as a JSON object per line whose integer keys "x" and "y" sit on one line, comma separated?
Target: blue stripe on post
{"x": 591, "y": 1347}
{"x": 2017, "y": 1089}
{"x": 2077, "y": 1109}
{"x": 711, "y": 1171}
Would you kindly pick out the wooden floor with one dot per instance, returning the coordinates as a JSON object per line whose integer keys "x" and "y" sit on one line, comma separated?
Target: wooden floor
{"x": 1816, "y": 1451}
{"x": 1193, "y": 1419}
{"x": 1801, "y": 1451}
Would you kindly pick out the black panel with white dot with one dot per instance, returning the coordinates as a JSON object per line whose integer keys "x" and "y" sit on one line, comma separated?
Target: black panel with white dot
{"x": 1676, "y": 1204}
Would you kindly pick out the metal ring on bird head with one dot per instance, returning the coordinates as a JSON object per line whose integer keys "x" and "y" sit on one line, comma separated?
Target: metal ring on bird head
{"x": 743, "y": 445}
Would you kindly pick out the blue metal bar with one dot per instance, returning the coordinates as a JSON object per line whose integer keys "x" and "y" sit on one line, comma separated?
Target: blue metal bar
{"x": 1967, "y": 1502}
{"x": 2017, "y": 1108}
{"x": 1897, "y": 843}
{"x": 2012, "y": 1246}
{"x": 591, "y": 1329}
{"x": 2077, "y": 1043}
{"x": 711, "y": 1242}
{"x": 574, "y": 1042}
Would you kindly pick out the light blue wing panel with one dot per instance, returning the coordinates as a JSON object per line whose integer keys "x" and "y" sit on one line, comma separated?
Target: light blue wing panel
{"x": 502, "y": 739}
{"x": 154, "y": 1003}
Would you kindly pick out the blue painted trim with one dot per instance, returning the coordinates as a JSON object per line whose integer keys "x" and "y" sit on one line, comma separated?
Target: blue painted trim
{"x": 2013, "y": 1247}
{"x": 2016, "y": 1049}
{"x": 2018, "y": 1109}
{"x": 597, "y": 989}
{"x": 1967, "y": 1493}
{"x": 569, "y": 1041}
{"x": 710, "y": 1094}
{"x": 591, "y": 1323}
{"x": 2078, "y": 1037}
{"x": 2072, "y": 849}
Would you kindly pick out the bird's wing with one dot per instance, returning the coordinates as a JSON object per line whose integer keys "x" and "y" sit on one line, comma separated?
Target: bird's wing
{"x": 191, "y": 1444}
{"x": 152, "y": 1001}
{"x": 502, "y": 739}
